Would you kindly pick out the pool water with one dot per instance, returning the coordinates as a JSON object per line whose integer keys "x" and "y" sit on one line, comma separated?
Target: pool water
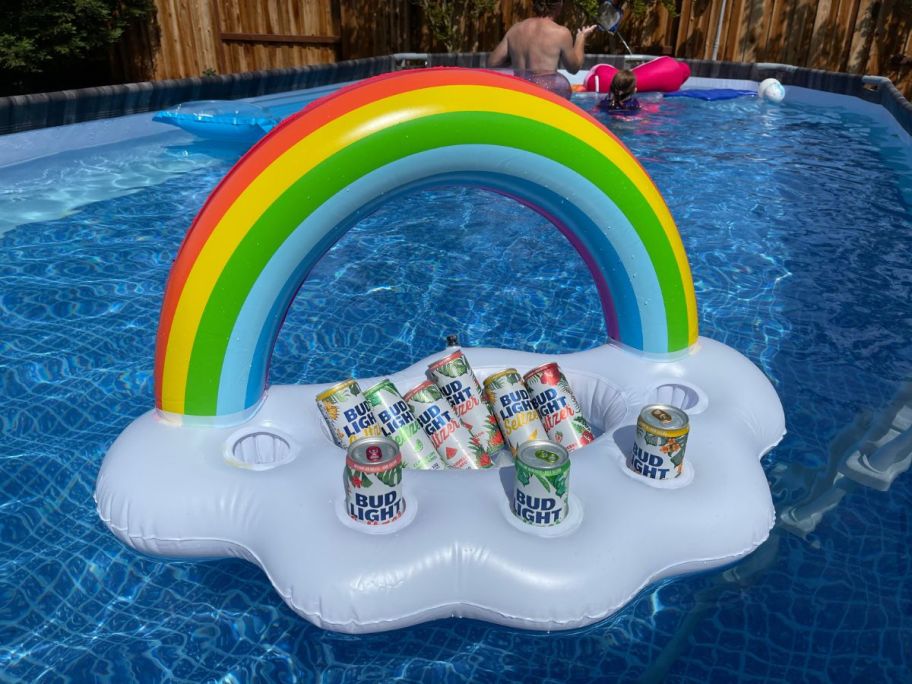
{"x": 798, "y": 225}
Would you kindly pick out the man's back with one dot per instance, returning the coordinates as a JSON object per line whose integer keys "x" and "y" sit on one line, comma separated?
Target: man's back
{"x": 541, "y": 45}
{"x": 537, "y": 44}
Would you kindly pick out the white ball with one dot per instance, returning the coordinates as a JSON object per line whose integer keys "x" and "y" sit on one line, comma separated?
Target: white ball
{"x": 772, "y": 90}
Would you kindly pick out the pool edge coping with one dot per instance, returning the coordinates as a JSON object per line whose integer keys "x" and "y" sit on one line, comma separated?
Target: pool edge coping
{"x": 20, "y": 113}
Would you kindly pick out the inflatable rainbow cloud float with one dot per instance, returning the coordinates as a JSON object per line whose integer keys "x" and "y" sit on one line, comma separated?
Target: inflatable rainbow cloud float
{"x": 227, "y": 466}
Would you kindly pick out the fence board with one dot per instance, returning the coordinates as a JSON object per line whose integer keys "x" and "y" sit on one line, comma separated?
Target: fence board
{"x": 891, "y": 44}
{"x": 821, "y": 32}
{"x": 863, "y": 36}
{"x": 738, "y": 31}
{"x": 846, "y": 20}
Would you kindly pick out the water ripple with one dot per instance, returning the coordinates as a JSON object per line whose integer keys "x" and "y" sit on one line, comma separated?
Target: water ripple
{"x": 798, "y": 227}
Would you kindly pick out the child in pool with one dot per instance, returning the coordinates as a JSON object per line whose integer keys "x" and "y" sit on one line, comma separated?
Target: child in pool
{"x": 620, "y": 97}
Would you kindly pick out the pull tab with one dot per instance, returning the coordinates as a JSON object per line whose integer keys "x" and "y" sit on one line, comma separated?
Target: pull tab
{"x": 660, "y": 415}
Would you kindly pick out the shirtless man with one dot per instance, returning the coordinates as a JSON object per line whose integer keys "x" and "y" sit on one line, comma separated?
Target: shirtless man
{"x": 536, "y": 47}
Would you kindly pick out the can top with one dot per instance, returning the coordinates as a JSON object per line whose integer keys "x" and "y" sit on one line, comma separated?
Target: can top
{"x": 325, "y": 394}
{"x": 379, "y": 452}
{"x": 427, "y": 384}
{"x": 541, "y": 454}
{"x": 664, "y": 417}
{"x": 539, "y": 369}
{"x": 446, "y": 359}
{"x": 496, "y": 376}
{"x": 385, "y": 384}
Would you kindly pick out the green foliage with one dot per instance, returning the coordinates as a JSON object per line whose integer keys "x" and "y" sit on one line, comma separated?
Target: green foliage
{"x": 447, "y": 19}
{"x": 42, "y": 36}
{"x": 637, "y": 8}
{"x": 582, "y": 12}
{"x": 588, "y": 8}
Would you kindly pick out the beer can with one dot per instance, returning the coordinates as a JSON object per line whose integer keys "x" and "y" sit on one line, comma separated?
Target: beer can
{"x": 347, "y": 413}
{"x": 452, "y": 440}
{"x": 513, "y": 408}
{"x": 456, "y": 380}
{"x": 398, "y": 422}
{"x": 541, "y": 496}
{"x": 373, "y": 481}
{"x": 557, "y": 407}
{"x": 661, "y": 438}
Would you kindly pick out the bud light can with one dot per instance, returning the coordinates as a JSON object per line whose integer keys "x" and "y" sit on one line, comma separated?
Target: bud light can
{"x": 513, "y": 408}
{"x": 454, "y": 376}
{"x": 373, "y": 481}
{"x": 347, "y": 413}
{"x": 661, "y": 437}
{"x": 452, "y": 440}
{"x": 398, "y": 422}
{"x": 557, "y": 407}
{"x": 541, "y": 496}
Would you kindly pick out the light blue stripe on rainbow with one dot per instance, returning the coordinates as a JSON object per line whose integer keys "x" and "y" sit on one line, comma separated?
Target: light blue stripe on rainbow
{"x": 263, "y": 312}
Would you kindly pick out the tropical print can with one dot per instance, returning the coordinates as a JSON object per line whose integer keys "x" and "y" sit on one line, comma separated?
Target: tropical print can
{"x": 661, "y": 438}
{"x": 373, "y": 481}
{"x": 513, "y": 408}
{"x": 456, "y": 380}
{"x": 557, "y": 407}
{"x": 347, "y": 413}
{"x": 541, "y": 495}
{"x": 399, "y": 423}
{"x": 452, "y": 440}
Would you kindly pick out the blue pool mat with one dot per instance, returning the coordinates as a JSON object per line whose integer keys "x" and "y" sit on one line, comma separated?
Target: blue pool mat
{"x": 711, "y": 94}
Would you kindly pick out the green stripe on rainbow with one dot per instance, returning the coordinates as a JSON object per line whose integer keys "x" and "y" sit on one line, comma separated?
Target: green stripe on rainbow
{"x": 281, "y": 208}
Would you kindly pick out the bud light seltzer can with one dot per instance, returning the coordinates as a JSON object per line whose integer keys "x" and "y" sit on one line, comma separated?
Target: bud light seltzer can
{"x": 398, "y": 422}
{"x": 347, "y": 413}
{"x": 558, "y": 409}
{"x": 454, "y": 376}
{"x": 541, "y": 495}
{"x": 373, "y": 481}
{"x": 452, "y": 440}
{"x": 517, "y": 417}
{"x": 661, "y": 437}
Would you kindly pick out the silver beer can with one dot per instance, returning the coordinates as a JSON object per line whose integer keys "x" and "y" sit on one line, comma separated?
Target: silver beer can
{"x": 456, "y": 380}
{"x": 397, "y": 421}
{"x": 373, "y": 481}
{"x": 541, "y": 496}
{"x": 660, "y": 442}
{"x": 513, "y": 408}
{"x": 347, "y": 413}
{"x": 557, "y": 406}
{"x": 455, "y": 443}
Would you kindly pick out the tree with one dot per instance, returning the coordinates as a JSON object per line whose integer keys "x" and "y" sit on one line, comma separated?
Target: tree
{"x": 448, "y": 19}
{"x": 44, "y": 40}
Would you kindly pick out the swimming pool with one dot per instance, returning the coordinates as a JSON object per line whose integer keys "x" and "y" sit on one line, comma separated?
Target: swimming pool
{"x": 797, "y": 228}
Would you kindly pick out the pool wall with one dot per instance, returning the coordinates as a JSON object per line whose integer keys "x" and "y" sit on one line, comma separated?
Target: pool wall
{"x": 41, "y": 110}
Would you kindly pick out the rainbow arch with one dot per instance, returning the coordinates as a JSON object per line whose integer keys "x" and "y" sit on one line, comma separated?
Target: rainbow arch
{"x": 292, "y": 196}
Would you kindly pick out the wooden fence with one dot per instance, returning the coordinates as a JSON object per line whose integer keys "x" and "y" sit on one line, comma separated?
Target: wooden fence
{"x": 198, "y": 37}
{"x": 193, "y": 37}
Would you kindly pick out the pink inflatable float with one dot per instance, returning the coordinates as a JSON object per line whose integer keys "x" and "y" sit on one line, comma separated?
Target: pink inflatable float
{"x": 662, "y": 74}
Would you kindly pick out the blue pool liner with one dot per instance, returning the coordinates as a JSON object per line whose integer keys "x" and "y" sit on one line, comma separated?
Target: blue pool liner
{"x": 712, "y": 94}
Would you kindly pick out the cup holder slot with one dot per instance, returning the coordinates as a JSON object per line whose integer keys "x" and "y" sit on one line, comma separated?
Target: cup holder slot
{"x": 685, "y": 397}
{"x": 260, "y": 449}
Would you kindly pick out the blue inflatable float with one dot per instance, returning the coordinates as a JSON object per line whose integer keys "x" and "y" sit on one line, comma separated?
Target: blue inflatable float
{"x": 224, "y": 120}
